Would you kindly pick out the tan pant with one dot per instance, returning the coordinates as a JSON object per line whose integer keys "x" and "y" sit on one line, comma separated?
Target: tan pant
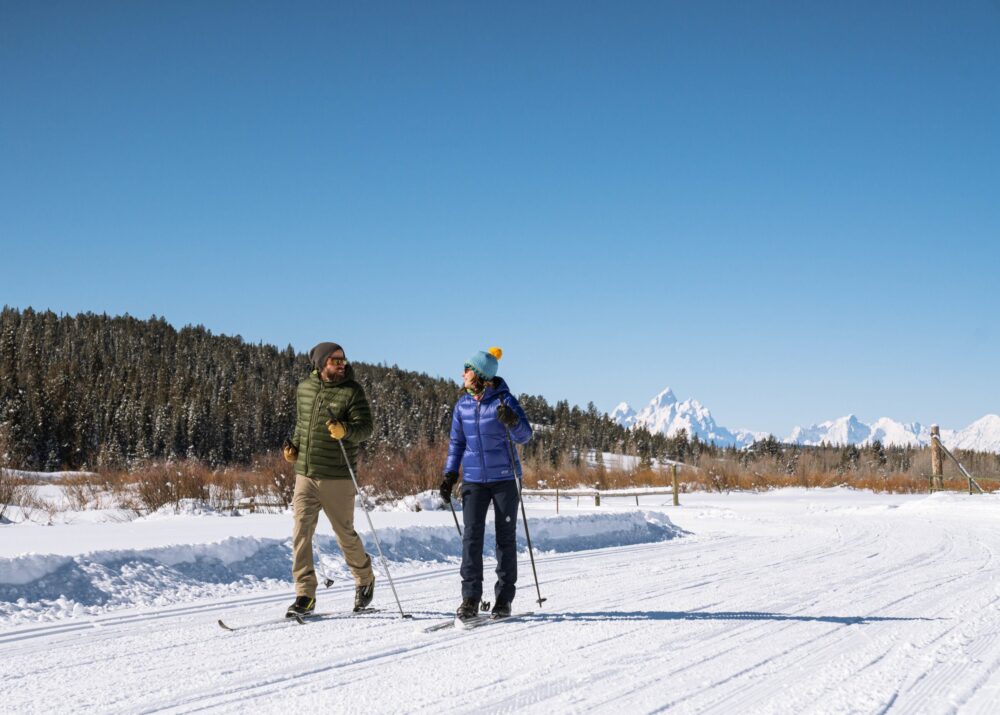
{"x": 336, "y": 498}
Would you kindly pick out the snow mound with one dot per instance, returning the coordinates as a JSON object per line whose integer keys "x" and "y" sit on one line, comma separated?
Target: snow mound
{"x": 424, "y": 501}
{"x": 555, "y": 534}
{"x": 36, "y": 587}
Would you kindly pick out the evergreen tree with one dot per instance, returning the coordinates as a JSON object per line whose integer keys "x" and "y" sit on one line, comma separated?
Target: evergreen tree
{"x": 91, "y": 391}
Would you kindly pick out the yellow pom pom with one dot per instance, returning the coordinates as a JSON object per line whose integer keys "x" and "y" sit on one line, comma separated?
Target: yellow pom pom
{"x": 495, "y": 352}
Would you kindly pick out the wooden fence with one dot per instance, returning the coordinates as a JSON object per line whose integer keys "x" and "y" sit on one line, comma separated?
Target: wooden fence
{"x": 937, "y": 463}
{"x": 596, "y": 493}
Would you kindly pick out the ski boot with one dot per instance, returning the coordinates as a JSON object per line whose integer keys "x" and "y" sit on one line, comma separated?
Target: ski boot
{"x": 303, "y": 606}
{"x": 501, "y": 609}
{"x": 468, "y": 610}
{"x": 363, "y": 596}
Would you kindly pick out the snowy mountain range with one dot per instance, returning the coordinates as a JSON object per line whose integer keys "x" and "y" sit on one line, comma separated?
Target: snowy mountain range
{"x": 851, "y": 430}
{"x": 668, "y": 415}
{"x": 983, "y": 435}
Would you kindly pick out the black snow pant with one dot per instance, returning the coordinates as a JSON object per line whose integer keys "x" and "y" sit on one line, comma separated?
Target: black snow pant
{"x": 476, "y": 499}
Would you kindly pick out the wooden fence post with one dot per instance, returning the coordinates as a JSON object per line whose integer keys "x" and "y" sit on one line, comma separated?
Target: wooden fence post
{"x": 673, "y": 481}
{"x": 937, "y": 460}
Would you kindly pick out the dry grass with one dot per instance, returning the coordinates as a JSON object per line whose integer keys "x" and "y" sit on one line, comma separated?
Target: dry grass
{"x": 392, "y": 476}
{"x": 21, "y": 494}
{"x": 83, "y": 492}
{"x": 268, "y": 483}
{"x": 726, "y": 475}
{"x": 169, "y": 484}
{"x": 722, "y": 475}
{"x": 275, "y": 477}
{"x": 14, "y": 492}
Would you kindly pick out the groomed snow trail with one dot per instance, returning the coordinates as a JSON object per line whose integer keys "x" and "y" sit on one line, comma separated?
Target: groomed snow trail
{"x": 788, "y": 603}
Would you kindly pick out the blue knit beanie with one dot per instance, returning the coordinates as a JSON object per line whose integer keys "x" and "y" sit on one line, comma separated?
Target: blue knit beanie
{"x": 485, "y": 364}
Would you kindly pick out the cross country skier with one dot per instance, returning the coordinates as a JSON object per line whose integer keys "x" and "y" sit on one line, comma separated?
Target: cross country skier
{"x": 485, "y": 414}
{"x": 331, "y": 407}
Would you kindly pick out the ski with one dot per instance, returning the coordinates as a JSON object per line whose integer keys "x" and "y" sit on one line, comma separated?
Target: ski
{"x": 466, "y": 625}
{"x": 469, "y": 624}
{"x": 453, "y": 623}
{"x": 310, "y": 617}
{"x": 255, "y": 624}
{"x": 298, "y": 620}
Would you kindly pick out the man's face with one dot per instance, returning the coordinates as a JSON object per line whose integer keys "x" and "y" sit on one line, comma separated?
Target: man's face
{"x": 336, "y": 366}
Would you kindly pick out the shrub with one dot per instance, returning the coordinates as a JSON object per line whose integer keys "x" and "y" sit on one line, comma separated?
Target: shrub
{"x": 394, "y": 475}
{"x": 82, "y": 492}
{"x": 13, "y": 492}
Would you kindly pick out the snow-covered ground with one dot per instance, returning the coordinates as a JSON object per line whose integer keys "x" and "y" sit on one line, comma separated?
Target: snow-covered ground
{"x": 794, "y": 601}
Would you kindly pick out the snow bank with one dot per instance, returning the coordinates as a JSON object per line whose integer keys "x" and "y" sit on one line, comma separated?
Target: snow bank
{"x": 555, "y": 533}
{"x": 424, "y": 501}
{"x": 49, "y": 586}
{"x": 29, "y": 568}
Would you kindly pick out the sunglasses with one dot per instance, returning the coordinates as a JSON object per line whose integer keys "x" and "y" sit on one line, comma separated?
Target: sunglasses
{"x": 336, "y": 361}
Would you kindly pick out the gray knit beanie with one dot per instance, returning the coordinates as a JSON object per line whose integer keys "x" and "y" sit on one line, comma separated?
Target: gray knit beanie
{"x": 321, "y": 352}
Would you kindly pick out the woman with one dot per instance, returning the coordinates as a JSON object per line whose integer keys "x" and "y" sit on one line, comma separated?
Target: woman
{"x": 486, "y": 417}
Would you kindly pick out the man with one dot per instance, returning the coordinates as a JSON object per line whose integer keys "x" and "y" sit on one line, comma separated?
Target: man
{"x": 331, "y": 410}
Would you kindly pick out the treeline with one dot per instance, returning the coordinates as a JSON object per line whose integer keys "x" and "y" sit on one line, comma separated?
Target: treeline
{"x": 98, "y": 392}
{"x": 95, "y": 392}
{"x": 769, "y": 456}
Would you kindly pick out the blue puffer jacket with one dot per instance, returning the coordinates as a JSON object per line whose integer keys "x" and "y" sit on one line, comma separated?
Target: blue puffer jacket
{"x": 479, "y": 439}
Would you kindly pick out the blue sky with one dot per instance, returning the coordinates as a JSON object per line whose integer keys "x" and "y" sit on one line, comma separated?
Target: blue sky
{"x": 790, "y": 211}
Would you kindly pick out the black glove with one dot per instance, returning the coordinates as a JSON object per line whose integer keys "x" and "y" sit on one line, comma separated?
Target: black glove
{"x": 450, "y": 479}
{"x": 507, "y": 415}
{"x": 289, "y": 451}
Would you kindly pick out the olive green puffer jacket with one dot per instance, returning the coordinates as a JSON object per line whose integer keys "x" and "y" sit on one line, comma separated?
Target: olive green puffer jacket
{"x": 316, "y": 402}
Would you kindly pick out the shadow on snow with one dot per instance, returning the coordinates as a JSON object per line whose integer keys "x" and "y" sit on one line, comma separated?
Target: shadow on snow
{"x": 606, "y": 616}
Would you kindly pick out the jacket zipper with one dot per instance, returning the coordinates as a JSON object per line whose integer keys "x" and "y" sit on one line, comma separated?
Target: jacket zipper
{"x": 312, "y": 424}
{"x": 482, "y": 448}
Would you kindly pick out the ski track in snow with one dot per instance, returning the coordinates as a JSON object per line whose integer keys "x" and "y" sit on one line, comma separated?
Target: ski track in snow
{"x": 767, "y": 608}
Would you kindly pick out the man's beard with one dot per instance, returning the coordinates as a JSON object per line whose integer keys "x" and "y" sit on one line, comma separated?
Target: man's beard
{"x": 331, "y": 376}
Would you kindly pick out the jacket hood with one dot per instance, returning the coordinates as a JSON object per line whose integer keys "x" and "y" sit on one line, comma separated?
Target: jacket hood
{"x": 498, "y": 387}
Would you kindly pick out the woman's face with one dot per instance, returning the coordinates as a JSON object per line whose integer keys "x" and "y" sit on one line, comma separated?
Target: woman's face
{"x": 469, "y": 378}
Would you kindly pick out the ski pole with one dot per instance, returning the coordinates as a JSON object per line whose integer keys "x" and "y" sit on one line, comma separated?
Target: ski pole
{"x": 456, "y": 518}
{"x": 364, "y": 507}
{"x": 524, "y": 515}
